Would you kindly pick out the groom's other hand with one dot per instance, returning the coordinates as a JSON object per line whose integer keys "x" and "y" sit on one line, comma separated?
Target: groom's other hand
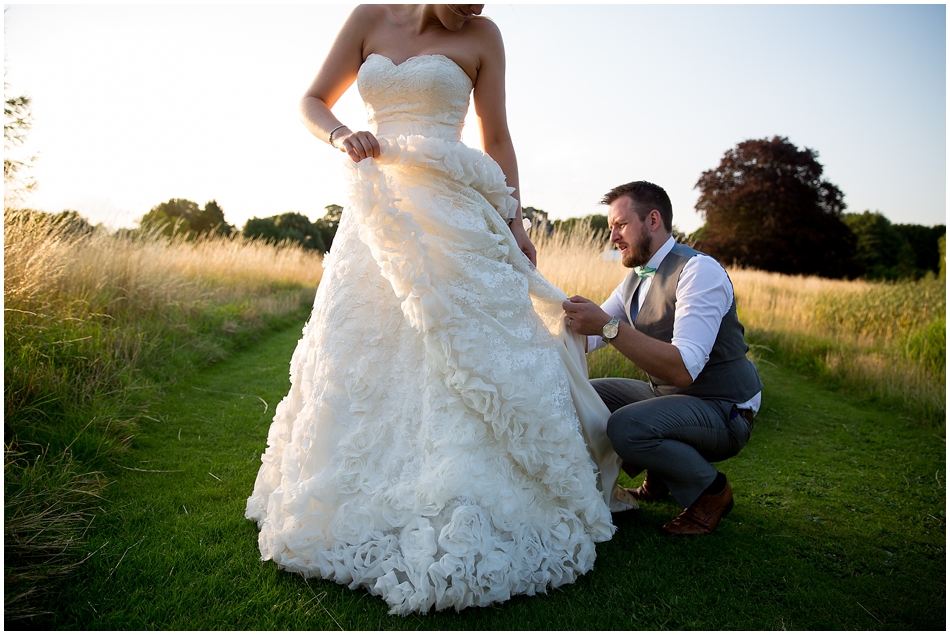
{"x": 584, "y": 316}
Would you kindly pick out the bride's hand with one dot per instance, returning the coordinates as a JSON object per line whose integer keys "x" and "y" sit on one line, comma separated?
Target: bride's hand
{"x": 524, "y": 243}
{"x": 358, "y": 145}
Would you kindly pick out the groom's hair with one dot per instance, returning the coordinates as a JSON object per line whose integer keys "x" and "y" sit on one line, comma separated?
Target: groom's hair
{"x": 646, "y": 197}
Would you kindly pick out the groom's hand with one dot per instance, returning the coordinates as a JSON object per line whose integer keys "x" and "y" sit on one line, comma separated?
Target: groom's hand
{"x": 583, "y": 316}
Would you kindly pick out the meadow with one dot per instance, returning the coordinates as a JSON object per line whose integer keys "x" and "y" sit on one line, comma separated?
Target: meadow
{"x": 884, "y": 342}
{"x": 136, "y": 405}
{"x": 94, "y": 326}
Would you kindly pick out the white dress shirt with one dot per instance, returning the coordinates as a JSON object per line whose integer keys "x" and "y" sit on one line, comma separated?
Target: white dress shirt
{"x": 703, "y": 297}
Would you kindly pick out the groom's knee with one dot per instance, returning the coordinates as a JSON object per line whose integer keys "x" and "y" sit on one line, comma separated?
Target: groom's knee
{"x": 629, "y": 431}
{"x": 617, "y": 392}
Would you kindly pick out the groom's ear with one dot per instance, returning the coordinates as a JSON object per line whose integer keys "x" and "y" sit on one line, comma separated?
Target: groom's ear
{"x": 654, "y": 220}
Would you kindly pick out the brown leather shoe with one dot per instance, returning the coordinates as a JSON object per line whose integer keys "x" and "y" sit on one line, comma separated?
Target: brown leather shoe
{"x": 701, "y": 518}
{"x": 650, "y": 491}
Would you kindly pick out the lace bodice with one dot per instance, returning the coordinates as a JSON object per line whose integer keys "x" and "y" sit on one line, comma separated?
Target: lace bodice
{"x": 425, "y": 95}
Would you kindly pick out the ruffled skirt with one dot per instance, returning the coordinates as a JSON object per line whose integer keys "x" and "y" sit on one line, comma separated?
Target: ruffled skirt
{"x": 430, "y": 449}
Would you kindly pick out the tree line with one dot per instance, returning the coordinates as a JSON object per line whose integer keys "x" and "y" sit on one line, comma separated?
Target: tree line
{"x": 767, "y": 207}
{"x": 181, "y": 217}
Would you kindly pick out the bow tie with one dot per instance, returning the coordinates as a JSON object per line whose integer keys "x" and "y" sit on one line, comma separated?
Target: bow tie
{"x": 645, "y": 272}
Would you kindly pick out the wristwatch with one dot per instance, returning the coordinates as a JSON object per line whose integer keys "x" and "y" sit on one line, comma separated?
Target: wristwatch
{"x": 611, "y": 329}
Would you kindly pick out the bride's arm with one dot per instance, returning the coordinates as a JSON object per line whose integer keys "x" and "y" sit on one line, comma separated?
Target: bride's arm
{"x": 338, "y": 73}
{"x": 489, "y": 98}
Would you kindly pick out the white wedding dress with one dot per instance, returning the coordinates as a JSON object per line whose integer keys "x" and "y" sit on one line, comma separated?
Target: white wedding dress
{"x": 429, "y": 449}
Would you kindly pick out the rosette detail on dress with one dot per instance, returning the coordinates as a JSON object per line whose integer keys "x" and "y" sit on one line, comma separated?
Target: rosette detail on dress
{"x": 429, "y": 450}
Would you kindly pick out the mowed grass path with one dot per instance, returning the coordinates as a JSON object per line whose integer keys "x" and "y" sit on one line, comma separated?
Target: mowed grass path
{"x": 839, "y": 524}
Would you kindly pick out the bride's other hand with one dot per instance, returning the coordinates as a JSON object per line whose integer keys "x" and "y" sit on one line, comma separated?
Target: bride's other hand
{"x": 489, "y": 101}
{"x": 358, "y": 145}
{"x": 524, "y": 243}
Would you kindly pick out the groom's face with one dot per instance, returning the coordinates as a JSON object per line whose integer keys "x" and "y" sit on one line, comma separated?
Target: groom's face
{"x": 630, "y": 234}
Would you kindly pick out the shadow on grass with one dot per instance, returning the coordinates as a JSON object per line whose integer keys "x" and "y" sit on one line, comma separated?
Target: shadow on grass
{"x": 839, "y": 524}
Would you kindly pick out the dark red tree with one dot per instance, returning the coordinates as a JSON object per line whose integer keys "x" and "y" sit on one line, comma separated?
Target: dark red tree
{"x": 767, "y": 207}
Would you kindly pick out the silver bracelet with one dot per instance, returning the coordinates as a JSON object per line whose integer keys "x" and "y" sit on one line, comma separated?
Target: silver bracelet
{"x": 330, "y": 136}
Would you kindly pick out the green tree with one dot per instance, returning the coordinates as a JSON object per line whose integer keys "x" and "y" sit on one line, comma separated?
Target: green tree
{"x": 597, "y": 224}
{"x": 924, "y": 243}
{"x": 942, "y": 243}
{"x": 695, "y": 238}
{"x": 181, "y": 217}
{"x": 539, "y": 219}
{"x": 17, "y": 121}
{"x": 767, "y": 206}
{"x": 171, "y": 218}
{"x": 291, "y": 226}
{"x": 262, "y": 229}
{"x": 210, "y": 220}
{"x": 72, "y": 223}
{"x": 328, "y": 225}
{"x": 890, "y": 252}
{"x": 68, "y": 223}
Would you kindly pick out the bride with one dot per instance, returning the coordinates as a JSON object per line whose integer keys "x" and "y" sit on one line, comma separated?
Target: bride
{"x": 432, "y": 447}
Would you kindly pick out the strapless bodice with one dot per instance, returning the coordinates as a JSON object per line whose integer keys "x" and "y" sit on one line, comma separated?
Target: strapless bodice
{"x": 425, "y": 95}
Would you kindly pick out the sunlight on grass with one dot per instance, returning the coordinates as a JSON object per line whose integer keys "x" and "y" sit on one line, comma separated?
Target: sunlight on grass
{"x": 96, "y": 326}
{"x": 837, "y": 506}
{"x": 883, "y": 340}
{"x": 577, "y": 263}
{"x": 91, "y": 322}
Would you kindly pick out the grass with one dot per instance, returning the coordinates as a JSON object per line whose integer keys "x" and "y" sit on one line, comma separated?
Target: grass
{"x": 574, "y": 262}
{"x": 841, "y": 499}
{"x": 839, "y": 524}
{"x": 94, "y": 326}
{"x": 883, "y": 340}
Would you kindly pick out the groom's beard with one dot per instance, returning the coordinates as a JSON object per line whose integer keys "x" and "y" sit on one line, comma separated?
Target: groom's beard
{"x": 638, "y": 253}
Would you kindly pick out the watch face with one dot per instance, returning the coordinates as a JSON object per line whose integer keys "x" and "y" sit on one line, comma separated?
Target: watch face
{"x": 610, "y": 330}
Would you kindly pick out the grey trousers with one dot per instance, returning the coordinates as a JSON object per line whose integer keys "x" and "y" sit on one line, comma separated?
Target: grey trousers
{"x": 675, "y": 437}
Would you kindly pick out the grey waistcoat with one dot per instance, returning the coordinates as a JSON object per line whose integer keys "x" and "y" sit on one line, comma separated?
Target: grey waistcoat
{"x": 728, "y": 375}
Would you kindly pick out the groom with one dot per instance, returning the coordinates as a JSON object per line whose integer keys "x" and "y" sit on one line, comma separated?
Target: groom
{"x": 703, "y": 391}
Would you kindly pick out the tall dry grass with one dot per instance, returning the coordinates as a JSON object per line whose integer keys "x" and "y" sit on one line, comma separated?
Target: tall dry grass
{"x": 879, "y": 340}
{"x": 884, "y": 340}
{"x": 578, "y": 262}
{"x": 94, "y": 322}
{"x": 93, "y": 325}
{"x": 46, "y": 264}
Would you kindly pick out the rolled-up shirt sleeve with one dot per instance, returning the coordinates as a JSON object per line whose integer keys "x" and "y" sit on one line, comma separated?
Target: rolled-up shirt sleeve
{"x": 703, "y": 296}
{"x": 614, "y": 308}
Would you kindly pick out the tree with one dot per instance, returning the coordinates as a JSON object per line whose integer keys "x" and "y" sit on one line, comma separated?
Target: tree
{"x": 210, "y": 220}
{"x": 179, "y": 216}
{"x": 595, "y": 223}
{"x": 880, "y": 250}
{"x": 291, "y": 226}
{"x": 17, "y": 121}
{"x": 171, "y": 218}
{"x": 67, "y": 224}
{"x": 924, "y": 245}
{"x": 539, "y": 219}
{"x": 72, "y": 224}
{"x": 328, "y": 225}
{"x": 943, "y": 257}
{"x": 890, "y": 252}
{"x": 767, "y": 207}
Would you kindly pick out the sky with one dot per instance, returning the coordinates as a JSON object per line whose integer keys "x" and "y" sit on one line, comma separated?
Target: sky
{"x": 137, "y": 104}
